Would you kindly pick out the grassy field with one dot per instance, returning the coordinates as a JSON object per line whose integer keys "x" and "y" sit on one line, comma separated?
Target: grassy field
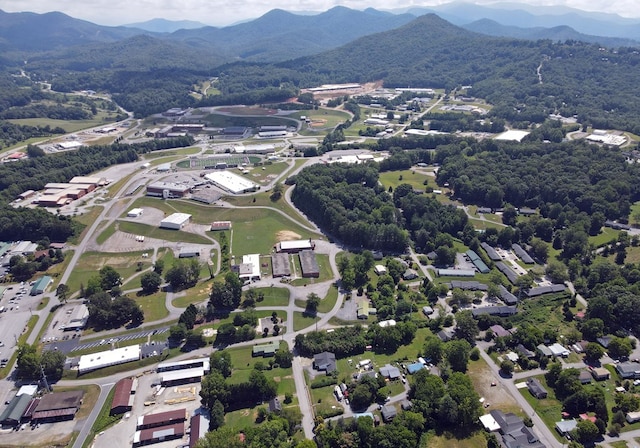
{"x": 273, "y": 296}
{"x": 604, "y": 237}
{"x": 447, "y": 440}
{"x": 67, "y": 125}
{"x": 301, "y": 320}
{"x": 322, "y": 120}
{"x": 247, "y": 224}
{"x": 91, "y": 262}
{"x": 153, "y": 306}
{"x": 412, "y": 177}
{"x": 177, "y": 236}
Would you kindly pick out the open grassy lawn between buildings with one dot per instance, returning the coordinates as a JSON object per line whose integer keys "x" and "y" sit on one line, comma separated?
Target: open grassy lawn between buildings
{"x": 91, "y": 262}
{"x": 178, "y": 236}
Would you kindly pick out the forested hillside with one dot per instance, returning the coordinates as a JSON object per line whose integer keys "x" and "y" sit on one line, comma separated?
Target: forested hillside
{"x": 589, "y": 178}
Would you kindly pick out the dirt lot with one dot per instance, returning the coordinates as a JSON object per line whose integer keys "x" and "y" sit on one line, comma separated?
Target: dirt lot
{"x": 497, "y": 397}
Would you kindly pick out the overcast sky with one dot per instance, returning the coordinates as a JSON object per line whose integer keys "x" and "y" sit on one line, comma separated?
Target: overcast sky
{"x": 226, "y": 12}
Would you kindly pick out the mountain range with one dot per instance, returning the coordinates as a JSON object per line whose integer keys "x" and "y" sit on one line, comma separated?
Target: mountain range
{"x": 281, "y": 35}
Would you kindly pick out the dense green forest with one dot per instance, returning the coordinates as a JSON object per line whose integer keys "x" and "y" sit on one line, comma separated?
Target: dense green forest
{"x": 348, "y": 202}
{"x": 588, "y": 177}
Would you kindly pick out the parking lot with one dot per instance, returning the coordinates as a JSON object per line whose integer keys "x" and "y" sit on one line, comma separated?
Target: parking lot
{"x": 70, "y": 342}
{"x": 17, "y": 306}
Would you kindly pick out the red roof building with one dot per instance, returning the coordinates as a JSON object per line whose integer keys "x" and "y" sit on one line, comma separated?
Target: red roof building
{"x": 162, "y": 419}
{"x": 122, "y": 397}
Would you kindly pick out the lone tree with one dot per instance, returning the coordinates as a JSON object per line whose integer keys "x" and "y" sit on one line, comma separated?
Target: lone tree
{"x": 62, "y": 291}
{"x": 313, "y": 301}
{"x": 150, "y": 282}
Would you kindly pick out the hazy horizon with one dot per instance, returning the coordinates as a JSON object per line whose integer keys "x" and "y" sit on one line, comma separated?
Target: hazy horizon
{"x": 120, "y": 12}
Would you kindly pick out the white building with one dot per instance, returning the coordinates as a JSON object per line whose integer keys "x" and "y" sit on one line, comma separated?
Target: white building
{"x": 108, "y": 358}
{"x": 135, "y": 213}
{"x": 231, "y": 182}
{"x": 176, "y": 221}
{"x": 79, "y": 318}
{"x": 380, "y": 269}
{"x": 512, "y": 135}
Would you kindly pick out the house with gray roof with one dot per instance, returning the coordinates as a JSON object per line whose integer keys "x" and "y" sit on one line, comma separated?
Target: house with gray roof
{"x": 628, "y": 369}
{"x": 391, "y": 372}
{"x": 388, "y": 413}
{"x": 536, "y": 389}
{"x": 325, "y": 361}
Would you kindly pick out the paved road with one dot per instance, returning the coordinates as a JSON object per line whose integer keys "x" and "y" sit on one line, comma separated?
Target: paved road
{"x": 86, "y": 428}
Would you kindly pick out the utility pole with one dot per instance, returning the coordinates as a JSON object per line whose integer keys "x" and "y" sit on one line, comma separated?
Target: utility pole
{"x": 44, "y": 379}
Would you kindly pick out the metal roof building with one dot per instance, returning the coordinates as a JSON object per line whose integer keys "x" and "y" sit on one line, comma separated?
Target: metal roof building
{"x": 159, "y": 434}
{"x": 123, "y": 396}
{"x": 184, "y": 365}
{"x": 183, "y": 376}
{"x": 14, "y": 411}
{"x": 176, "y": 221}
{"x": 162, "y": 419}
{"x": 456, "y": 273}
{"x": 41, "y": 285}
{"x": 231, "y": 182}
{"x": 295, "y": 246}
{"x": 108, "y": 358}
{"x": 58, "y": 406}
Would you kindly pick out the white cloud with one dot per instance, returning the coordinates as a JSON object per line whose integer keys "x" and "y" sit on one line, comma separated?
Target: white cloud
{"x": 225, "y": 12}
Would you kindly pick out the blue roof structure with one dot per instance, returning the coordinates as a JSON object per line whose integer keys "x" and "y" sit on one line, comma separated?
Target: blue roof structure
{"x": 415, "y": 367}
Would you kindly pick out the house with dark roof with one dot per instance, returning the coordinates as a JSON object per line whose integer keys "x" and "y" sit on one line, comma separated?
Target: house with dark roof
{"x": 522, "y": 254}
{"x": 491, "y": 252}
{"x": 274, "y": 405}
{"x": 507, "y": 297}
{"x": 501, "y": 311}
{"x": 446, "y": 334}
{"x": 549, "y": 289}
{"x": 525, "y": 352}
{"x": 536, "y": 389}
{"x": 499, "y": 331}
{"x": 388, "y": 413}
{"x": 584, "y": 377}
{"x": 514, "y": 432}
{"x": 325, "y": 361}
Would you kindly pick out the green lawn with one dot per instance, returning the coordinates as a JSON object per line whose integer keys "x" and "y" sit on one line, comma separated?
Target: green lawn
{"x": 106, "y": 233}
{"x": 300, "y": 320}
{"x": 67, "y": 125}
{"x": 273, "y": 296}
{"x": 604, "y": 237}
{"x": 153, "y": 305}
{"x": 412, "y": 177}
{"x": 177, "y": 236}
{"x": 91, "y": 262}
{"x": 329, "y": 301}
